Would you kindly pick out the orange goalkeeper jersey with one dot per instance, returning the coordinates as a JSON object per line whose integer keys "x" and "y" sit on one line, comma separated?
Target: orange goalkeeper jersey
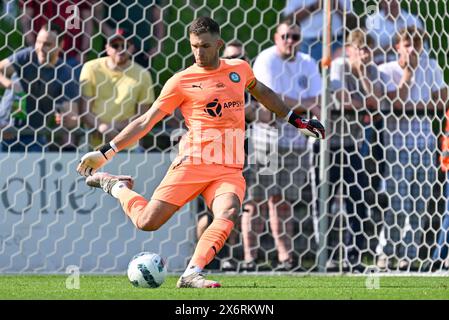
{"x": 212, "y": 103}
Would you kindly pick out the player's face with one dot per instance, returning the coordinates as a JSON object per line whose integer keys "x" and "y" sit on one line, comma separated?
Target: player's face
{"x": 119, "y": 51}
{"x": 287, "y": 39}
{"x": 205, "y": 48}
{"x": 46, "y": 46}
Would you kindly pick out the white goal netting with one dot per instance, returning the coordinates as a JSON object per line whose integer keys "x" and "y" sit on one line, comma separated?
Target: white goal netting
{"x": 373, "y": 194}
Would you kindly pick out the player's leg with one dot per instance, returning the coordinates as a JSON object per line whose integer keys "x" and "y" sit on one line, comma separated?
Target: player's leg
{"x": 224, "y": 197}
{"x": 225, "y": 208}
{"x": 145, "y": 215}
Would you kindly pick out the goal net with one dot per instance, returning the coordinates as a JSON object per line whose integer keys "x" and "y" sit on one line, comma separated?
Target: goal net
{"x": 373, "y": 194}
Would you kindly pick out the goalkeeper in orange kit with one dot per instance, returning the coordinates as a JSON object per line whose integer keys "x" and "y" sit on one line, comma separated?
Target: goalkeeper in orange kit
{"x": 210, "y": 95}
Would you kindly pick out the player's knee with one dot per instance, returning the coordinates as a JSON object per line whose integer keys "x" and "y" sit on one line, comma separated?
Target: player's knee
{"x": 230, "y": 214}
{"x": 147, "y": 225}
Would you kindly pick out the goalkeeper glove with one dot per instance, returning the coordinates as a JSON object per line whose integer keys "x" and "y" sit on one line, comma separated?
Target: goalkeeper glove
{"x": 92, "y": 161}
{"x": 310, "y": 128}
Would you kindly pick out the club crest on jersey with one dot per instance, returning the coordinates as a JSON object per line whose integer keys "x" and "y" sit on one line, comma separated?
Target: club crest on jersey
{"x": 213, "y": 108}
{"x": 234, "y": 76}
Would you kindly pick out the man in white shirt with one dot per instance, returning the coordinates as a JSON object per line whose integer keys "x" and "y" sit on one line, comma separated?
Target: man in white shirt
{"x": 309, "y": 14}
{"x": 384, "y": 24}
{"x": 416, "y": 89}
{"x": 295, "y": 77}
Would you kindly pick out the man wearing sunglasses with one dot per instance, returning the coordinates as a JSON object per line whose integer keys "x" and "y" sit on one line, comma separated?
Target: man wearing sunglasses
{"x": 115, "y": 90}
{"x": 295, "y": 77}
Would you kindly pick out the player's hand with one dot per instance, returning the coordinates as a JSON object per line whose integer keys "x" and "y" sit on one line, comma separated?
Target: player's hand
{"x": 94, "y": 160}
{"x": 90, "y": 163}
{"x": 311, "y": 128}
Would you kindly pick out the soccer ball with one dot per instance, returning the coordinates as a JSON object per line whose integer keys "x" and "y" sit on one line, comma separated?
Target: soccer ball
{"x": 147, "y": 270}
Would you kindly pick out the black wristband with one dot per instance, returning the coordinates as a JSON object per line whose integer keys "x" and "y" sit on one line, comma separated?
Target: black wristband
{"x": 107, "y": 150}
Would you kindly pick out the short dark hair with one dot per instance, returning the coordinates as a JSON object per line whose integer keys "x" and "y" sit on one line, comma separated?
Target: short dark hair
{"x": 53, "y": 27}
{"x": 204, "y": 25}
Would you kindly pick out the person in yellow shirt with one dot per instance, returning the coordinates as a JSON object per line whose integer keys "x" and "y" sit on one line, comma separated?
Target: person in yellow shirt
{"x": 115, "y": 90}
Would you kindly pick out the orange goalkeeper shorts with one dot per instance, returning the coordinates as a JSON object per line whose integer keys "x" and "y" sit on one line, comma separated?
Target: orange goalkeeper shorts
{"x": 184, "y": 182}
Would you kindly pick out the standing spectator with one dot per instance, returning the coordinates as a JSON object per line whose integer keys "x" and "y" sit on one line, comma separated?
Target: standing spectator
{"x": 309, "y": 15}
{"x": 73, "y": 16}
{"x": 415, "y": 90}
{"x": 115, "y": 90}
{"x": 295, "y": 77}
{"x": 49, "y": 87}
{"x": 384, "y": 24}
{"x": 357, "y": 90}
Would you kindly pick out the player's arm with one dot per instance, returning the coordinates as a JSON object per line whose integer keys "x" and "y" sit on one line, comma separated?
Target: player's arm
{"x": 138, "y": 128}
{"x": 272, "y": 102}
{"x": 134, "y": 131}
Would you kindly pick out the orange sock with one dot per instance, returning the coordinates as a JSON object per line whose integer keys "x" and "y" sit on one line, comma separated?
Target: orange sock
{"x": 211, "y": 242}
{"x": 132, "y": 203}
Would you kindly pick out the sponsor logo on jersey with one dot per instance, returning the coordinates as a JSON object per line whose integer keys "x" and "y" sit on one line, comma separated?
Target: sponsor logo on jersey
{"x": 215, "y": 109}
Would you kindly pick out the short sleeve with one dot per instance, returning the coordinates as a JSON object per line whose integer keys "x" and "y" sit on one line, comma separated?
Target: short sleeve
{"x": 171, "y": 96}
{"x": 262, "y": 71}
{"x": 20, "y": 58}
{"x": 249, "y": 75}
{"x": 146, "y": 92}
{"x": 87, "y": 81}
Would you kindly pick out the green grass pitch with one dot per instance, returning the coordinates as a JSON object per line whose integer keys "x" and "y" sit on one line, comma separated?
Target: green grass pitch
{"x": 241, "y": 287}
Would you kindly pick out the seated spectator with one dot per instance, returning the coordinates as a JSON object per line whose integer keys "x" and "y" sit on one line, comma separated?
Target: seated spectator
{"x": 49, "y": 90}
{"x": 115, "y": 90}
